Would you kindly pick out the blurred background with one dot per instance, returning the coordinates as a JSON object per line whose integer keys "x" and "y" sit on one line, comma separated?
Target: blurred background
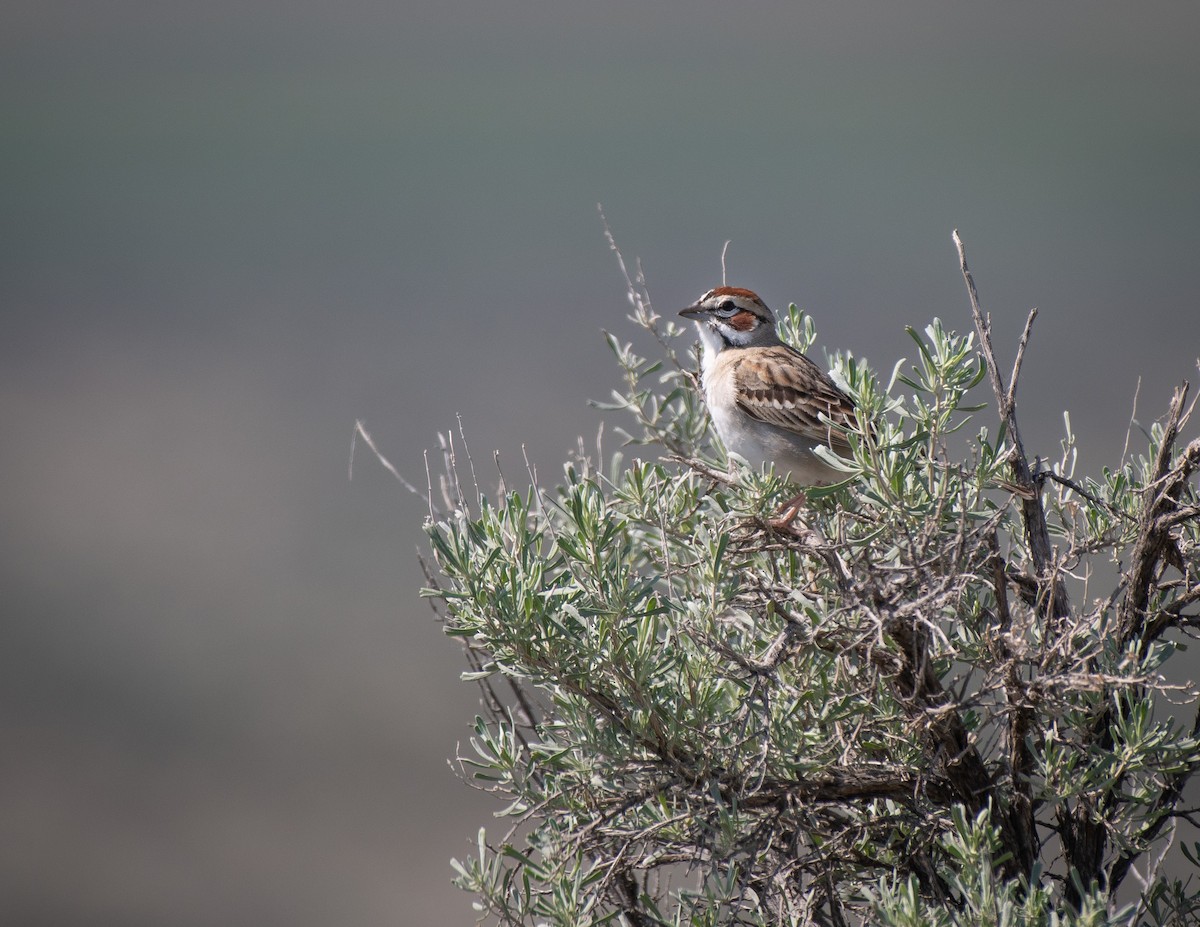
{"x": 229, "y": 229}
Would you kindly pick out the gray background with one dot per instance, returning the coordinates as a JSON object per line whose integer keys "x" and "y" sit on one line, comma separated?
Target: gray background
{"x": 227, "y": 229}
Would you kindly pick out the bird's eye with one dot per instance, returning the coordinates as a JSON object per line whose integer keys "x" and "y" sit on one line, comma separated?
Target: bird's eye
{"x": 727, "y": 308}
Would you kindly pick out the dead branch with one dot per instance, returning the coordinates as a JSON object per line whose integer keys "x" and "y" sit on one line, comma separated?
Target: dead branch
{"x": 1034, "y": 515}
{"x": 1162, "y": 498}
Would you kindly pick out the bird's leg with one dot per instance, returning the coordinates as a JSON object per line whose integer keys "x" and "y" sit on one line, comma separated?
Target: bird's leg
{"x": 787, "y": 514}
{"x": 788, "y": 521}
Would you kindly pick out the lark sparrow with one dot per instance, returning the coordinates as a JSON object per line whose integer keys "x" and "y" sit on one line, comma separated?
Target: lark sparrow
{"x": 768, "y": 401}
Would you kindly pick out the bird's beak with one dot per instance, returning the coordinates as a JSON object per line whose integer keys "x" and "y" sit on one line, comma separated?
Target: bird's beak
{"x": 692, "y": 312}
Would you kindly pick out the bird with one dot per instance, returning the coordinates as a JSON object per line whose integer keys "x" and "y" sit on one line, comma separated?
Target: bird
{"x": 768, "y": 402}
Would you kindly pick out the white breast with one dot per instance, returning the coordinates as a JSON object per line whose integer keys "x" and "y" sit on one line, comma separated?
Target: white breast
{"x": 758, "y": 443}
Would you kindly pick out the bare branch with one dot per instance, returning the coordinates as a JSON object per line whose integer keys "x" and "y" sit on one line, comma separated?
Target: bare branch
{"x": 1010, "y": 398}
{"x": 1036, "y": 531}
{"x": 1132, "y": 421}
{"x": 1070, "y": 484}
{"x": 1162, "y": 495}
{"x": 360, "y": 431}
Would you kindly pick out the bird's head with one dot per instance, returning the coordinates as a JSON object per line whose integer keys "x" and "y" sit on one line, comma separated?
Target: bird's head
{"x": 730, "y": 316}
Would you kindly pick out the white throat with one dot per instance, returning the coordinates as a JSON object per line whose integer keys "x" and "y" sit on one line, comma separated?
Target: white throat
{"x": 712, "y": 344}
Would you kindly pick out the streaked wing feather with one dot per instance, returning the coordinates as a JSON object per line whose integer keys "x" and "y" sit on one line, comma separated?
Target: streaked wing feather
{"x": 782, "y": 387}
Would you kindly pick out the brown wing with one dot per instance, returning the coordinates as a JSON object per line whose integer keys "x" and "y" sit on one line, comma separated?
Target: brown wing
{"x": 780, "y": 386}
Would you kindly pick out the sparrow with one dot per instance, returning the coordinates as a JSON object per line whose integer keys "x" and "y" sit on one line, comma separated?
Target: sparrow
{"x": 769, "y": 403}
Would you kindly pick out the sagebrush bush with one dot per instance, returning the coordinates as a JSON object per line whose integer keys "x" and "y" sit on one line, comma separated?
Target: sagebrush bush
{"x": 915, "y": 706}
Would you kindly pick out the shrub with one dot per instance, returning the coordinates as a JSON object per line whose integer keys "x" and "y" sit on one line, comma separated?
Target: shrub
{"x": 938, "y": 698}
